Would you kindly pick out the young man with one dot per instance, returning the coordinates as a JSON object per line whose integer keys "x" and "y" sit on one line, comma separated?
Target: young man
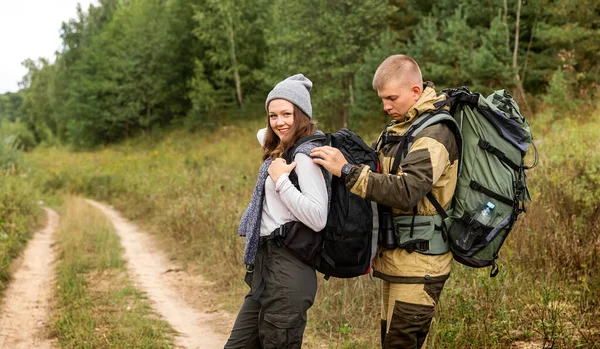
{"x": 413, "y": 274}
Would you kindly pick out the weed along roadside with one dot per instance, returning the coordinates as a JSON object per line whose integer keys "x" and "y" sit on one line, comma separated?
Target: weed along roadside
{"x": 24, "y": 310}
{"x": 147, "y": 265}
{"x": 97, "y": 304}
{"x": 19, "y": 216}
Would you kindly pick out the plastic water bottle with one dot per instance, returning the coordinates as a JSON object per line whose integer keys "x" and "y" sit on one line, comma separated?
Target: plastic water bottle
{"x": 485, "y": 215}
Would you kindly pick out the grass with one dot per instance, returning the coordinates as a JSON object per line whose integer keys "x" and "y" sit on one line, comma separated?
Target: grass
{"x": 97, "y": 306}
{"x": 19, "y": 215}
{"x": 19, "y": 209}
{"x": 191, "y": 189}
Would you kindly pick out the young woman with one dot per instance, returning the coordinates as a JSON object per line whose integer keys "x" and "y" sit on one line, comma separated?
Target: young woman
{"x": 282, "y": 287}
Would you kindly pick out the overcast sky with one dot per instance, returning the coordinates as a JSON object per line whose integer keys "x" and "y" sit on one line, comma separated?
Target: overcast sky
{"x": 30, "y": 29}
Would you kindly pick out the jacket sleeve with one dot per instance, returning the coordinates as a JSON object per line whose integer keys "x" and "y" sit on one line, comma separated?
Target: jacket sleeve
{"x": 426, "y": 161}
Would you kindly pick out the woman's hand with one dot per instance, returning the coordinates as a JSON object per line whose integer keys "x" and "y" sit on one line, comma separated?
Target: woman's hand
{"x": 279, "y": 167}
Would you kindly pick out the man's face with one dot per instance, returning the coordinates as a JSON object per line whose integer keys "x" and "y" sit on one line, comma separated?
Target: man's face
{"x": 398, "y": 97}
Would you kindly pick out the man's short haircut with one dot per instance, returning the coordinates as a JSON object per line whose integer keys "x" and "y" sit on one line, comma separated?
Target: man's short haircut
{"x": 397, "y": 67}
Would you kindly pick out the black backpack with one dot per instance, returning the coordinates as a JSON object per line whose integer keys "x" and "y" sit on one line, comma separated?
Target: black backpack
{"x": 348, "y": 243}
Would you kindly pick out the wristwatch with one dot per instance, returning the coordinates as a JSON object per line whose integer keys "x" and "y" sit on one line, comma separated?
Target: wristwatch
{"x": 345, "y": 171}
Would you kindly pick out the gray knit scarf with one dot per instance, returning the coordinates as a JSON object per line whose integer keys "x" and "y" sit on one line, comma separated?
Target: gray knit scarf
{"x": 250, "y": 223}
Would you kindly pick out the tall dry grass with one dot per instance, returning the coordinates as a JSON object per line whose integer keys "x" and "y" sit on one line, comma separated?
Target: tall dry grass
{"x": 191, "y": 189}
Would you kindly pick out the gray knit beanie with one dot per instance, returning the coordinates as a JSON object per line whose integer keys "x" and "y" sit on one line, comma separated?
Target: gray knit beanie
{"x": 295, "y": 90}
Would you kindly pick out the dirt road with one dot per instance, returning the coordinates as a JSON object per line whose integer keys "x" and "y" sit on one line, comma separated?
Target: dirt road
{"x": 23, "y": 315}
{"x": 149, "y": 270}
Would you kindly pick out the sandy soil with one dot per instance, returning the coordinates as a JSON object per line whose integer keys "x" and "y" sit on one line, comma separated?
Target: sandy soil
{"x": 163, "y": 283}
{"x": 23, "y": 316}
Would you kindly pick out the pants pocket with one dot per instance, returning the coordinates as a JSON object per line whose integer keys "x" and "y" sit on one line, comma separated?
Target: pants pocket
{"x": 409, "y": 325}
{"x": 282, "y": 331}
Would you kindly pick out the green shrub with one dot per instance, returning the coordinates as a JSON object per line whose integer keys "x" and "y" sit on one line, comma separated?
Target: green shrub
{"x": 10, "y": 156}
{"x": 16, "y": 135}
{"x": 559, "y": 95}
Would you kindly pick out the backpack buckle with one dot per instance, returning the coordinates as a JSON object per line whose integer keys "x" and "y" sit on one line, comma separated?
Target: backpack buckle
{"x": 419, "y": 246}
{"x": 280, "y": 232}
{"x": 484, "y": 144}
{"x": 422, "y": 246}
{"x": 519, "y": 186}
{"x": 475, "y": 186}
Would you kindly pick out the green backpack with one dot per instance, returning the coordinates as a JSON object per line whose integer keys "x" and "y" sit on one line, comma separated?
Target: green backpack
{"x": 493, "y": 138}
{"x": 492, "y": 190}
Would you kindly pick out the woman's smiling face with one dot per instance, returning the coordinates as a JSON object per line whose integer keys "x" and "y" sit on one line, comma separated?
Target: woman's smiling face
{"x": 281, "y": 116}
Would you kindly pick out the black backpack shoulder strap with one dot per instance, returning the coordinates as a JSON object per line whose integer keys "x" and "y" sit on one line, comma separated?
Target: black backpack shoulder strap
{"x": 290, "y": 152}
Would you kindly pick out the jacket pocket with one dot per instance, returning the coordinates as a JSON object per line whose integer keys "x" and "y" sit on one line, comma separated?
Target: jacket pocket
{"x": 421, "y": 230}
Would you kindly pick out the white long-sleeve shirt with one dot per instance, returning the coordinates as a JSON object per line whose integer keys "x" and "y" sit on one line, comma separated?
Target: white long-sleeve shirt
{"x": 284, "y": 203}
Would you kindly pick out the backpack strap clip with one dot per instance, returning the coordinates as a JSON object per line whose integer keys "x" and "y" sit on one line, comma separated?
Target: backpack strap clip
{"x": 485, "y": 145}
{"x": 419, "y": 246}
{"x": 281, "y": 232}
{"x": 475, "y": 186}
{"x": 480, "y": 188}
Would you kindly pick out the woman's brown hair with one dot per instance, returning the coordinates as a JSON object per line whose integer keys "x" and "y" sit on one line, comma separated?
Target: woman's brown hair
{"x": 303, "y": 126}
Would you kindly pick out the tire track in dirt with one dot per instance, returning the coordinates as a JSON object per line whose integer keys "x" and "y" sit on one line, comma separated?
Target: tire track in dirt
{"x": 147, "y": 266}
{"x": 24, "y": 312}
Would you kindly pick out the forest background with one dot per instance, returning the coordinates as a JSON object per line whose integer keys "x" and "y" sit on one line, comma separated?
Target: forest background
{"x": 147, "y": 98}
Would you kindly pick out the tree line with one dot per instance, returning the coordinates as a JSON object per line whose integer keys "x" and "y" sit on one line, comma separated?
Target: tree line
{"x": 129, "y": 66}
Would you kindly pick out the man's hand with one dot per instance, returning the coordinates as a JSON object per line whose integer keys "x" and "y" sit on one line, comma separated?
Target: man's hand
{"x": 331, "y": 158}
{"x": 279, "y": 167}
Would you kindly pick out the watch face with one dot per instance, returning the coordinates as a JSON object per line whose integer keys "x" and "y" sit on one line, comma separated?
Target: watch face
{"x": 346, "y": 168}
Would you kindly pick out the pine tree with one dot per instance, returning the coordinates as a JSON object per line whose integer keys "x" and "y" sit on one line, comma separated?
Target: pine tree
{"x": 327, "y": 41}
